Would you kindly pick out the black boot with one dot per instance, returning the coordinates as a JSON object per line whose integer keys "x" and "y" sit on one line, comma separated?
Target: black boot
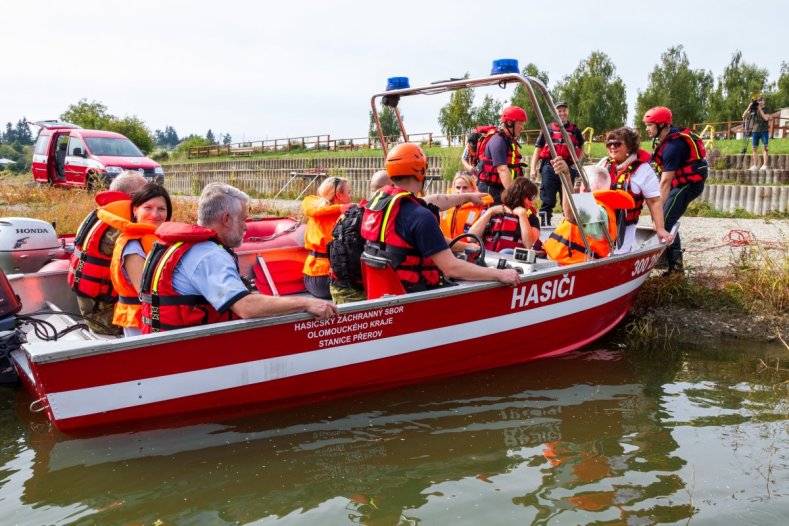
{"x": 674, "y": 260}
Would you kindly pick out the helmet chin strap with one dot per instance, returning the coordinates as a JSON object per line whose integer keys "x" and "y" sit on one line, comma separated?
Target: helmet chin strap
{"x": 660, "y": 127}
{"x": 510, "y": 127}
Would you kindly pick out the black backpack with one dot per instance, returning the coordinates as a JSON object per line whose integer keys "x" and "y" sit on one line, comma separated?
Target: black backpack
{"x": 481, "y": 134}
{"x": 345, "y": 250}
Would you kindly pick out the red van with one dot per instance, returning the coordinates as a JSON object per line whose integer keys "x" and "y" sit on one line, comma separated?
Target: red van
{"x": 67, "y": 155}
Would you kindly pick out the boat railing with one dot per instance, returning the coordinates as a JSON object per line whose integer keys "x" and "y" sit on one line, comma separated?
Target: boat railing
{"x": 533, "y": 86}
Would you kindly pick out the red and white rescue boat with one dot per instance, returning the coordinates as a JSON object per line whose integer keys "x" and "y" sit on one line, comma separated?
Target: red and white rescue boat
{"x": 84, "y": 381}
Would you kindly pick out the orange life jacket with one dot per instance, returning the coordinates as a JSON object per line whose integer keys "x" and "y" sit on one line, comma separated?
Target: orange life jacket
{"x": 89, "y": 269}
{"x": 378, "y": 228}
{"x": 621, "y": 181}
{"x": 322, "y": 219}
{"x": 458, "y": 219}
{"x": 127, "y": 310}
{"x": 558, "y": 140}
{"x": 487, "y": 172}
{"x": 163, "y": 309}
{"x": 694, "y": 170}
{"x": 565, "y": 244}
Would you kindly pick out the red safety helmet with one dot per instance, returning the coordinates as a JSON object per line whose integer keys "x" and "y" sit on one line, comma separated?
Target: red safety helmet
{"x": 658, "y": 115}
{"x": 513, "y": 114}
{"x": 406, "y": 159}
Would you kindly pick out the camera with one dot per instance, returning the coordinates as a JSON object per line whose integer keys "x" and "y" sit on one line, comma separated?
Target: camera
{"x": 754, "y": 104}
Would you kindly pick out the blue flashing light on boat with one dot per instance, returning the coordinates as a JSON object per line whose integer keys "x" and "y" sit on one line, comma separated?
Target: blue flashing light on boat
{"x": 397, "y": 83}
{"x": 505, "y": 65}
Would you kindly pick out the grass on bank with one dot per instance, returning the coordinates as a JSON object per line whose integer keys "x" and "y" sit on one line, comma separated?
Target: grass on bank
{"x": 756, "y": 284}
{"x": 66, "y": 208}
{"x": 723, "y": 147}
{"x": 700, "y": 208}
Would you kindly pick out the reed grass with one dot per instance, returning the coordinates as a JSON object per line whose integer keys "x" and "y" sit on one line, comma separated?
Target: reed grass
{"x": 761, "y": 278}
{"x": 755, "y": 285}
{"x": 65, "y": 208}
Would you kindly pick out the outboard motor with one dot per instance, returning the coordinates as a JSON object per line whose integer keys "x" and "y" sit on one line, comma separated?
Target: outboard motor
{"x": 27, "y": 244}
{"x": 10, "y": 335}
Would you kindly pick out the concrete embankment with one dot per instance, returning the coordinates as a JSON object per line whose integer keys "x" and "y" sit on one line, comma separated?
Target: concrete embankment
{"x": 730, "y": 185}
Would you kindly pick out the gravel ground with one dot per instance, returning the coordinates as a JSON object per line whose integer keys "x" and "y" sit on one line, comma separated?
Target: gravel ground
{"x": 715, "y": 243}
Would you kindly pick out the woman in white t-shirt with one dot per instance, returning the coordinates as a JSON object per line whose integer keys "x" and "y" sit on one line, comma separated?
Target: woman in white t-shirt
{"x": 629, "y": 168}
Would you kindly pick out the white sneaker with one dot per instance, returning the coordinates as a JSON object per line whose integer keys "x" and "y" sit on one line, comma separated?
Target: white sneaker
{"x": 764, "y": 167}
{"x": 753, "y": 168}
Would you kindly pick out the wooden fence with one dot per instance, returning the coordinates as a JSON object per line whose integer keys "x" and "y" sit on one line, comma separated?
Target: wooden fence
{"x": 779, "y": 127}
{"x": 265, "y": 177}
{"x": 325, "y": 142}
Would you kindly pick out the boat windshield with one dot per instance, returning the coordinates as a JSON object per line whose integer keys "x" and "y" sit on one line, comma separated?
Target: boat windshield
{"x": 112, "y": 147}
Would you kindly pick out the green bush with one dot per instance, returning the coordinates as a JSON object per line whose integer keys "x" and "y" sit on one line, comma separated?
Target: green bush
{"x": 160, "y": 156}
{"x": 450, "y": 164}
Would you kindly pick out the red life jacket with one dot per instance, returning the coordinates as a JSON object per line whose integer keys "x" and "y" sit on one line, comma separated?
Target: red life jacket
{"x": 694, "y": 170}
{"x": 378, "y": 229}
{"x": 163, "y": 309}
{"x": 561, "y": 147}
{"x": 485, "y": 170}
{"x": 621, "y": 181}
{"x": 475, "y": 142}
{"x": 504, "y": 231}
{"x": 89, "y": 269}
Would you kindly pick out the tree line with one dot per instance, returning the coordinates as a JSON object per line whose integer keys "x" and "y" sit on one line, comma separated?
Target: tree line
{"x": 596, "y": 93}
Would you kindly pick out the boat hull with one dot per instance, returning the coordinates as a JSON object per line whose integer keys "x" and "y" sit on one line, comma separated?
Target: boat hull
{"x": 270, "y": 363}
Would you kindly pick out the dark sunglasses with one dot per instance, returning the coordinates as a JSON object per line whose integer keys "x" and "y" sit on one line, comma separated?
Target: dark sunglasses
{"x": 615, "y": 144}
{"x": 337, "y": 182}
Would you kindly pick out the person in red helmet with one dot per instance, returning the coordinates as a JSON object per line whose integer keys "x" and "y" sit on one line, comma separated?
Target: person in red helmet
{"x": 681, "y": 163}
{"x": 500, "y": 162}
{"x": 404, "y": 229}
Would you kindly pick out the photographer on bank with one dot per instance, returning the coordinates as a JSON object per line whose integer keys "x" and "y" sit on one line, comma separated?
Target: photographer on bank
{"x": 759, "y": 116}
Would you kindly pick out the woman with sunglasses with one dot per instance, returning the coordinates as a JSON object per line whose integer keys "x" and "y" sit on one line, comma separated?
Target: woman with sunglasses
{"x": 513, "y": 223}
{"x": 322, "y": 211}
{"x": 458, "y": 219}
{"x": 628, "y": 166}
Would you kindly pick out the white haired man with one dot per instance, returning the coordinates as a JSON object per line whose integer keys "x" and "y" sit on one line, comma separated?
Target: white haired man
{"x": 198, "y": 273}
{"x": 565, "y": 244}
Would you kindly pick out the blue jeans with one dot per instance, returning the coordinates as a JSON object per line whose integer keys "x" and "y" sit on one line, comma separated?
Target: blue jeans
{"x": 678, "y": 200}
{"x": 763, "y": 135}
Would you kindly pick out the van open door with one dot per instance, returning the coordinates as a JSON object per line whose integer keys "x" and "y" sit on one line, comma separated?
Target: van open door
{"x": 45, "y": 166}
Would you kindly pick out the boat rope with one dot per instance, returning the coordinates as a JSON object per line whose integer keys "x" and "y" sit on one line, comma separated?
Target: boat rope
{"x": 740, "y": 238}
{"x": 275, "y": 235}
{"x": 46, "y": 331}
{"x": 39, "y": 405}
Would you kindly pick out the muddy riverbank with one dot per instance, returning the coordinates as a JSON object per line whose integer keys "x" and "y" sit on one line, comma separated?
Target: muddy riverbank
{"x": 716, "y": 250}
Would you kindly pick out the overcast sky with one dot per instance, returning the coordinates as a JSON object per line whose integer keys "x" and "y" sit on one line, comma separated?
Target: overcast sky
{"x": 262, "y": 70}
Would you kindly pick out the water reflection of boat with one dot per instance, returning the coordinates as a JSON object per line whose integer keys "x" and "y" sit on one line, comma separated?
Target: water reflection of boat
{"x": 392, "y": 448}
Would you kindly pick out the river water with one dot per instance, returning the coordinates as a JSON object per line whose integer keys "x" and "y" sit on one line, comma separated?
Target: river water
{"x": 600, "y": 436}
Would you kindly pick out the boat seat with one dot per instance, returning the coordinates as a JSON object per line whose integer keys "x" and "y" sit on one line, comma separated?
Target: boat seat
{"x": 379, "y": 277}
{"x": 279, "y": 271}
